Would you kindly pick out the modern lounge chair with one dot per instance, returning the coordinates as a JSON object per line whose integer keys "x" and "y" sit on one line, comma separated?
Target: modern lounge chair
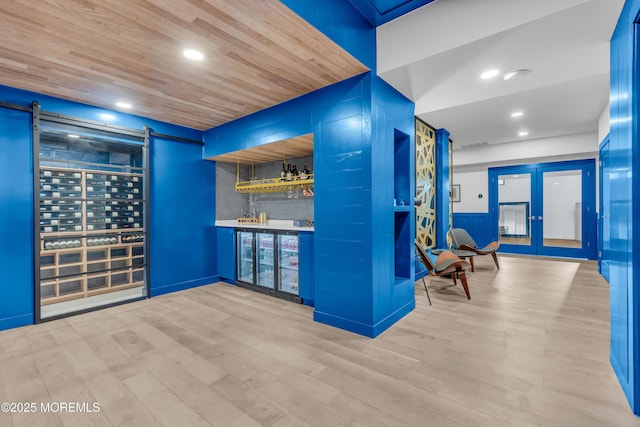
{"x": 463, "y": 241}
{"x": 420, "y": 264}
{"x": 447, "y": 264}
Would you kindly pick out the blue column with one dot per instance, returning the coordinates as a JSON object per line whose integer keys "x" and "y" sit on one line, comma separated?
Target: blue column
{"x": 443, "y": 186}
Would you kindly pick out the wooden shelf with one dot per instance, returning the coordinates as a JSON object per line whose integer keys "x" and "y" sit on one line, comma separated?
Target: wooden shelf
{"x": 83, "y": 270}
{"x": 402, "y": 208}
{"x": 273, "y": 185}
{"x": 84, "y": 276}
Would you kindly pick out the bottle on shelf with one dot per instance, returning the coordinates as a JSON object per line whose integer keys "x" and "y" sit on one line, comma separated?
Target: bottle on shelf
{"x": 289, "y": 174}
{"x": 304, "y": 174}
{"x": 294, "y": 172}
{"x": 283, "y": 173}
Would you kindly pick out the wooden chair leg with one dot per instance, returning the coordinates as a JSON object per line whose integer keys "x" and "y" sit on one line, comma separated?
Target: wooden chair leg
{"x": 473, "y": 267}
{"x": 495, "y": 259}
{"x": 463, "y": 279}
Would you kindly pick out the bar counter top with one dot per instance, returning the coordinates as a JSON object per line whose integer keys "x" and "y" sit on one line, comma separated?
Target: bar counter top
{"x": 272, "y": 224}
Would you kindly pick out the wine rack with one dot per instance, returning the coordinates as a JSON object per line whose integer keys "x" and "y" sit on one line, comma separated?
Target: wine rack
{"x": 273, "y": 185}
{"x": 91, "y": 233}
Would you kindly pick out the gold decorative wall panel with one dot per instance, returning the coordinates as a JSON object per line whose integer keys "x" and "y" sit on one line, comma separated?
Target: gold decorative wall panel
{"x": 425, "y": 200}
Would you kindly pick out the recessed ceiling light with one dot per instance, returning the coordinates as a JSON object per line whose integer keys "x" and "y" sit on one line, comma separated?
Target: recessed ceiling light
{"x": 517, "y": 114}
{"x": 73, "y": 136}
{"x": 193, "y": 54}
{"x": 523, "y": 133}
{"x": 489, "y": 74}
{"x": 123, "y": 105}
{"x": 517, "y": 74}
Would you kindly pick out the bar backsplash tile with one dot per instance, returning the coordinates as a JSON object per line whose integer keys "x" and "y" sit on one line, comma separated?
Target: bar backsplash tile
{"x": 277, "y": 205}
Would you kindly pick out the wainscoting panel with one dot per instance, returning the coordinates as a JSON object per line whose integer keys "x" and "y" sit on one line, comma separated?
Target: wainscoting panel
{"x": 477, "y": 224}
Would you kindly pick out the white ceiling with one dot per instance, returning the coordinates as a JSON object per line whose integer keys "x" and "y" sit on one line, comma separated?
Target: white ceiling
{"x": 435, "y": 55}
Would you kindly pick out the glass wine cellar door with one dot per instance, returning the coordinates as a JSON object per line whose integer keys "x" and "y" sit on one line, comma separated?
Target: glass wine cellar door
{"x": 91, "y": 215}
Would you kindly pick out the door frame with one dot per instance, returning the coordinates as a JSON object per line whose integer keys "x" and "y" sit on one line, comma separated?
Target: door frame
{"x": 603, "y": 262}
{"x": 589, "y": 218}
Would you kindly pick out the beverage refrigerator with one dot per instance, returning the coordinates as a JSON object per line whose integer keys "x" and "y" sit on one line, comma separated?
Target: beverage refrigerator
{"x": 288, "y": 263}
{"x": 267, "y": 262}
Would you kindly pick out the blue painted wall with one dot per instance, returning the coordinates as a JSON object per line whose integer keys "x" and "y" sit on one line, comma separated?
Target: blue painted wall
{"x": 293, "y": 118}
{"x": 182, "y": 203}
{"x": 343, "y": 211}
{"x": 16, "y": 217}
{"x": 624, "y": 185}
{"x": 76, "y": 109}
{"x": 182, "y": 216}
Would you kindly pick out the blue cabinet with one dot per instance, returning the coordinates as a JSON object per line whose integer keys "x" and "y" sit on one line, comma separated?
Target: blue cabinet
{"x": 226, "y": 254}
{"x": 226, "y": 237}
{"x": 306, "y": 268}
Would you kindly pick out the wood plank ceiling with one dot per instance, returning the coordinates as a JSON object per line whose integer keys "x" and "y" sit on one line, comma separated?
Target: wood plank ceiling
{"x": 258, "y": 53}
{"x": 299, "y": 146}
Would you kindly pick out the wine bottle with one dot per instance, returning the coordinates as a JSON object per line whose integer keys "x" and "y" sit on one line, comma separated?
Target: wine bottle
{"x": 283, "y": 173}
{"x": 305, "y": 172}
{"x": 289, "y": 172}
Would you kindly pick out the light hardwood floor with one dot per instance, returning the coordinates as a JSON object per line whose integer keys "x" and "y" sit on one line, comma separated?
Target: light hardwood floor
{"x": 529, "y": 349}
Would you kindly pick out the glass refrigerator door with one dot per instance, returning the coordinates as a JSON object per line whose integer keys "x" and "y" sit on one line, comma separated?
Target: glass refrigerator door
{"x": 245, "y": 256}
{"x": 264, "y": 260}
{"x": 288, "y": 263}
